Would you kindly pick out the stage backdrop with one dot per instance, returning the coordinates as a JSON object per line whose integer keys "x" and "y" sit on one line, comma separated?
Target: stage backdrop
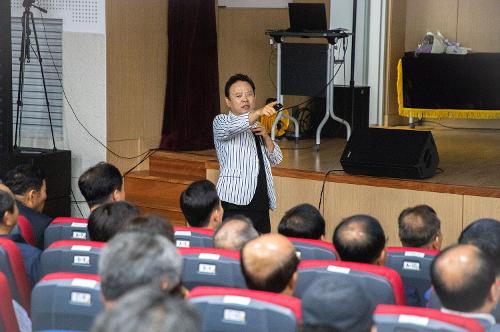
{"x": 192, "y": 98}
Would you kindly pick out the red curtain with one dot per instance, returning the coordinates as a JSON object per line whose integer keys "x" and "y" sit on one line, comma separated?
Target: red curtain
{"x": 192, "y": 98}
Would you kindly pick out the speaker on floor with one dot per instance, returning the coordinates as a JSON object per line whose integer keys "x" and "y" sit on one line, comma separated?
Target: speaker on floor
{"x": 391, "y": 153}
{"x": 5, "y": 79}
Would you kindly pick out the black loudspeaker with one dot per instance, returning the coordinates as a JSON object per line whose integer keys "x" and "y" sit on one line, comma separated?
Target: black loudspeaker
{"x": 5, "y": 79}
{"x": 391, "y": 153}
{"x": 57, "y": 168}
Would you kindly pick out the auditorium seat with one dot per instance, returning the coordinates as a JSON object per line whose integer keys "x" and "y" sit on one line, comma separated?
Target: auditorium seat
{"x": 389, "y": 318}
{"x": 383, "y": 285}
{"x": 66, "y": 301}
{"x": 242, "y": 310}
{"x": 211, "y": 267}
{"x": 413, "y": 265}
{"x": 11, "y": 265}
{"x": 8, "y": 321}
{"x": 187, "y": 237}
{"x": 71, "y": 256}
{"x": 313, "y": 249}
{"x": 26, "y": 230}
{"x": 65, "y": 228}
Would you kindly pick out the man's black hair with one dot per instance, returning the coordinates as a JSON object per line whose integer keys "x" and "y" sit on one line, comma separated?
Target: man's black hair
{"x": 359, "y": 238}
{"x": 6, "y": 203}
{"x": 99, "y": 182}
{"x": 108, "y": 219}
{"x": 24, "y": 178}
{"x": 151, "y": 224}
{"x": 198, "y": 201}
{"x": 418, "y": 226}
{"x": 484, "y": 234}
{"x": 303, "y": 221}
{"x": 235, "y": 78}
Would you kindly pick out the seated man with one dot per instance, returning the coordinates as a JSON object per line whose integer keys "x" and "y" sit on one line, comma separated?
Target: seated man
{"x": 464, "y": 279}
{"x": 484, "y": 234}
{"x": 420, "y": 227}
{"x": 269, "y": 263}
{"x": 28, "y": 184}
{"x": 304, "y": 221}
{"x": 151, "y": 224}
{"x": 108, "y": 219}
{"x": 234, "y": 232}
{"x": 361, "y": 239}
{"x": 148, "y": 309}
{"x": 101, "y": 184}
{"x": 8, "y": 219}
{"x": 337, "y": 305}
{"x": 201, "y": 205}
{"x": 133, "y": 259}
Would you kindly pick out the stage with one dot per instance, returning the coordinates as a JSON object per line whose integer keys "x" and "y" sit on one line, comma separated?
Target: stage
{"x": 467, "y": 188}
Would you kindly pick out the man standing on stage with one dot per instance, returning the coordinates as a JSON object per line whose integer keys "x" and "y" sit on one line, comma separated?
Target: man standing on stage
{"x": 245, "y": 152}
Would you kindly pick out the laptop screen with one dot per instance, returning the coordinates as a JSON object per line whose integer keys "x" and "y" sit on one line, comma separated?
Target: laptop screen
{"x": 306, "y": 17}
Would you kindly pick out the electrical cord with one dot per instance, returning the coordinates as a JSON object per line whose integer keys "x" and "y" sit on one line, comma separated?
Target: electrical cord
{"x": 421, "y": 121}
{"x": 76, "y": 202}
{"x": 152, "y": 152}
{"x": 323, "y": 185}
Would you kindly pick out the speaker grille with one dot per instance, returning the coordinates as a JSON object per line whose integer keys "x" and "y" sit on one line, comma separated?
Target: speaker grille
{"x": 6, "y": 79}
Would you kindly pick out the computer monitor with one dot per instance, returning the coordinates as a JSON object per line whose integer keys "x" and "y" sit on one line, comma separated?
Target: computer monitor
{"x": 307, "y": 17}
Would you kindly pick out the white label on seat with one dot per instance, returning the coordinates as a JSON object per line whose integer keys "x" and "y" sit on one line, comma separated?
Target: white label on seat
{"x": 79, "y": 224}
{"x": 206, "y": 255}
{"x": 182, "y": 244}
{"x": 80, "y": 248}
{"x": 235, "y": 315}
{"x": 414, "y": 266}
{"x": 79, "y": 235}
{"x": 84, "y": 283}
{"x": 206, "y": 268}
{"x": 298, "y": 253}
{"x": 338, "y": 269}
{"x": 81, "y": 298}
{"x": 183, "y": 233}
{"x": 81, "y": 260}
{"x": 414, "y": 254}
{"x": 411, "y": 319}
{"x": 242, "y": 300}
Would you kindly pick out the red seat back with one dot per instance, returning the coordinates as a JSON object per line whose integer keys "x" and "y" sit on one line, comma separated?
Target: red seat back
{"x": 26, "y": 230}
{"x": 187, "y": 237}
{"x": 8, "y": 321}
{"x": 20, "y": 284}
{"x": 314, "y": 249}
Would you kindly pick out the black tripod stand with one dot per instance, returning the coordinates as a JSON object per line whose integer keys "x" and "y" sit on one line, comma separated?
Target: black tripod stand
{"x": 25, "y": 57}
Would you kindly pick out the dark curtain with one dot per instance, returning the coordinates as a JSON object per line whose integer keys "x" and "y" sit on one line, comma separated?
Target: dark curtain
{"x": 192, "y": 98}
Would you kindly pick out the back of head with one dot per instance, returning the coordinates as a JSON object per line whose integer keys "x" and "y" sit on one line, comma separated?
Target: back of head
{"x": 268, "y": 263}
{"x": 418, "y": 226}
{"x": 133, "y": 259}
{"x": 234, "y": 232}
{"x": 485, "y": 234}
{"x": 359, "y": 238}
{"x": 151, "y": 224}
{"x": 462, "y": 276}
{"x": 303, "y": 221}
{"x": 24, "y": 178}
{"x": 148, "y": 309}
{"x": 99, "y": 182}
{"x": 198, "y": 201}
{"x": 337, "y": 305}
{"x": 6, "y": 204}
{"x": 108, "y": 219}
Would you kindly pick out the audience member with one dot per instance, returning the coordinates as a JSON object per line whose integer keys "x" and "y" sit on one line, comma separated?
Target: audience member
{"x": 269, "y": 263}
{"x": 484, "y": 234}
{"x": 337, "y": 305}
{"x": 148, "y": 309}
{"x": 28, "y": 183}
{"x": 464, "y": 279}
{"x": 133, "y": 259}
{"x": 420, "y": 227}
{"x": 101, "y": 184}
{"x": 108, "y": 219}
{"x": 234, "y": 232}
{"x": 8, "y": 219}
{"x": 201, "y": 205}
{"x": 303, "y": 221}
{"x": 151, "y": 224}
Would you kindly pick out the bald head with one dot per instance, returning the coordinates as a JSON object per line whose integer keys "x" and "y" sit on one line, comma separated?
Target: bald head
{"x": 463, "y": 277}
{"x": 233, "y": 233}
{"x": 420, "y": 227}
{"x": 6, "y": 189}
{"x": 269, "y": 263}
{"x": 359, "y": 238}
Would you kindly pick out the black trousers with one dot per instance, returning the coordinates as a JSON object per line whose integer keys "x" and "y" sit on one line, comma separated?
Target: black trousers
{"x": 260, "y": 218}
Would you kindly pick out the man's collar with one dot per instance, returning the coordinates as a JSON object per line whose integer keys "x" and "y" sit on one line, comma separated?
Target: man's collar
{"x": 476, "y": 315}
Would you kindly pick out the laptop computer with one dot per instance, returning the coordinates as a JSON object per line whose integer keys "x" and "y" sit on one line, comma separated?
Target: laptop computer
{"x": 307, "y": 17}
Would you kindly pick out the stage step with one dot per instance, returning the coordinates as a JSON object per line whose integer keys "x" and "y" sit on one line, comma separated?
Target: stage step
{"x": 158, "y": 190}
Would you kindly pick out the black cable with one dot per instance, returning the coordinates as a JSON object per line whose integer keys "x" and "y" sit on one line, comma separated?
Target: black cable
{"x": 323, "y": 186}
{"x": 440, "y": 170}
{"x": 152, "y": 152}
{"x": 72, "y": 109}
{"x": 269, "y": 67}
{"x": 451, "y": 127}
{"x": 76, "y": 202}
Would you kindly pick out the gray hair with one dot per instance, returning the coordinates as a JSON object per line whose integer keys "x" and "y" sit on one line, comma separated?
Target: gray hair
{"x": 148, "y": 309}
{"x": 227, "y": 236}
{"x": 133, "y": 259}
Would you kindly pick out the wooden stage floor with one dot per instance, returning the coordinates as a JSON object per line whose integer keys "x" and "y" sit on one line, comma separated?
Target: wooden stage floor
{"x": 470, "y": 160}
